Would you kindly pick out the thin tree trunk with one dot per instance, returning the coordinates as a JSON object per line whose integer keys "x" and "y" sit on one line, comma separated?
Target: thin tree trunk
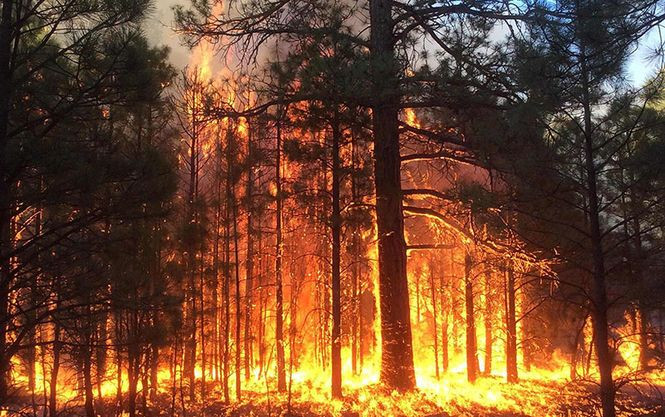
{"x": 511, "y": 327}
{"x": 249, "y": 263}
{"x": 132, "y": 375}
{"x": 599, "y": 290}
{"x": 445, "y": 312}
{"x": 432, "y": 284}
{"x": 87, "y": 369}
{"x": 489, "y": 342}
{"x": 336, "y": 223}
{"x": 279, "y": 296}
{"x": 55, "y": 369}
{"x": 471, "y": 341}
{"x": 118, "y": 352}
{"x": 237, "y": 301}
{"x": 227, "y": 287}
{"x": 6, "y": 33}
{"x": 203, "y": 339}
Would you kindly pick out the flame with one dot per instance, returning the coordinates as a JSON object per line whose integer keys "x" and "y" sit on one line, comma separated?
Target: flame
{"x": 436, "y": 290}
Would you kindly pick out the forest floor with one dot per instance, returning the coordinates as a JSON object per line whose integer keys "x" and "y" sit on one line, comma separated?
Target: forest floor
{"x": 489, "y": 397}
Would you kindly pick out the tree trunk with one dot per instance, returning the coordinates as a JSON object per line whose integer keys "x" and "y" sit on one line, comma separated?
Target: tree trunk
{"x": 598, "y": 291}
{"x": 236, "y": 256}
{"x": 132, "y": 379}
{"x": 642, "y": 295}
{"x": 471, "y": 341}
{"x": 336, "y": 223}
{"x": 118, "y": 359}
{"x": 279, "y": 295}
{"x": 191, "y": 293}
{"x": 55, "y": 369}
{"x": 445, "y": 312}
{"x": 154, "y": 370}
{"x": 397, "y": 370}
{"x": 226, "y": 290}
{"x": 6, "y": 33}
{"x": 249, "y": 262}
{"x": 432, "y": 284}
{"x": 511, "y": 327}
{"x": 488, "y": 324}
{"x": 87, "y": 372}
{"x": 356, "y": 290}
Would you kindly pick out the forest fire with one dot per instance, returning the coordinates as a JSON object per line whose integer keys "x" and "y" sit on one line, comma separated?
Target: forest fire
{"x": 337, "y": 208}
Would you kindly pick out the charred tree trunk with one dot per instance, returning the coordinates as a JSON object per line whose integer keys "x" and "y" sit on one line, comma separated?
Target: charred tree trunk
{"x": 432, "y": 284}
{"x": 192, "y": 247}
{"x": 397, "y": 352}
{"x": 336, "y": 225}
{"x": 445, "y": 313}
{"x": 642, "y": 292}
{"x": 279, "y": 295}
{"x": 471, "y": 341}
{"x": 133, "y": 364}
{"x": 226, "y": 290}
{"x": 599, "y": 290}
{"x": 100, "y": 355}
{"x": 6, "y": 34}
{"x": 202, "y": 337}
{"x": 217, "y": 355}
{"x": 55, "y": 368}
{"x": 511, "y": 327}
{"x": 118, "y": 360}
{"x": 249, "y": 263}
{"x": 238, "y": 344}
{"x": 489, "y": 342}
{"x": 86, "y": 352}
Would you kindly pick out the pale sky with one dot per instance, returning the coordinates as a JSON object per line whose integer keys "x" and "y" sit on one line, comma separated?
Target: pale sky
{"x": 160, "y": 33}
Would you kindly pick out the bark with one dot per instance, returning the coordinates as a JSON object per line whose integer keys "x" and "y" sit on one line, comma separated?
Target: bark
{"x": 397, "y": 370}
{"x": 599, "y": 290}
{"x": 101, "y": 356}
{"x": 488, "y": 325}
{"x": 249, "y": 263}
{"x": 190, "y": 344}
{"x": 132, "y": 378}
{"x": 432, "y": 284}
{"x": 642, "y": 295}
{"x": 217, "y": 356}
{"x": 154, "y": 368}
{"x": 471, "y": 341}
{"x": 336, "y": 223}
{"x": 356, "y": 290}
{"x": 236, "y": 256}
{"x": 203, "y": 339}
{"x": 226, "y": 290}
{"x": 55, "y": 369}
{"x": 511, "y": 328}
{"x": 6, "y": 34}
{"x": 87, "y": 373}
{"x": 279, "y": 295}
{"x": 445, "y": 312}
{"x": 118, "y": 352}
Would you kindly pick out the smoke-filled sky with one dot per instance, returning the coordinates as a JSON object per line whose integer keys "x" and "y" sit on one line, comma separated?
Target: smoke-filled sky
{"x": 640, "y": 67}
{"x": 160, "y": 32}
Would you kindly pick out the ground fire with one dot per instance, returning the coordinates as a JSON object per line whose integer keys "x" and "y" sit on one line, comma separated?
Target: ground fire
{"x": 335, "y": 208}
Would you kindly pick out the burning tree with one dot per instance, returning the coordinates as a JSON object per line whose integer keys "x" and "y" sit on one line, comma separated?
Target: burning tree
{"x": 337, "y": 208}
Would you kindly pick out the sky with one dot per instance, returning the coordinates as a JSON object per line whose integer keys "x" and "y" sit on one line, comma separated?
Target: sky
{"x": 640, "y": 68}
{"x": 160, "y": 32}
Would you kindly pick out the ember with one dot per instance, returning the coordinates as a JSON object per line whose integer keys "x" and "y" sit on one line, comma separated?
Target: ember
{"x": 337, "y": 208}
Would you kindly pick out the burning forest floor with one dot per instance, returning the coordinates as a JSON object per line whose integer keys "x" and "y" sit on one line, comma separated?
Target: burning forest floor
{"x": 451, "y": 396}
{"x": 489, "y": 397}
